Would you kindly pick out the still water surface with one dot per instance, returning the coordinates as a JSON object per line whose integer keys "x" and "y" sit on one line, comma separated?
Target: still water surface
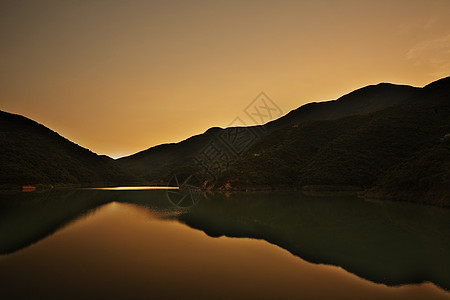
{"x": 134, "y": 244}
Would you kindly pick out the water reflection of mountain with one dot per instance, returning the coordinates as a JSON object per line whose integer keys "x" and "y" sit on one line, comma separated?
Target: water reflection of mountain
{"x": 391, "y": 243}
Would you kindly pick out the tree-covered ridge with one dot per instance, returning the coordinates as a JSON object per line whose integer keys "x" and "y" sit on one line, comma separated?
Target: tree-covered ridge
{"x": 157, "y": 162}
{"x": 401, "y": 152}
{"x": 33, "y": 154}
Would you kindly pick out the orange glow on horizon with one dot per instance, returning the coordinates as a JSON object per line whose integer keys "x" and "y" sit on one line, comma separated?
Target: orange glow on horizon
{"x": 118, "y": 78}
{"x": 136, "y": 188}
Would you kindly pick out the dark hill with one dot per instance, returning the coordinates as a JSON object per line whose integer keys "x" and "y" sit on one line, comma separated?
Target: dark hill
{"x": 33, "y": 154}
{"x": 157, "y": 162}
{"x": 401, "y": 152}
{"x": 362, "y": 101}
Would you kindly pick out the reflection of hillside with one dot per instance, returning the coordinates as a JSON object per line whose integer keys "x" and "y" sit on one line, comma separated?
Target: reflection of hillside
{"x": 390, "y": 243}
{"x": 26, "y": 218}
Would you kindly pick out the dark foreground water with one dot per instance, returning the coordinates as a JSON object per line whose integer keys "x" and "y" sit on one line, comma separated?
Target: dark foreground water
{"x": 136, "y": 245}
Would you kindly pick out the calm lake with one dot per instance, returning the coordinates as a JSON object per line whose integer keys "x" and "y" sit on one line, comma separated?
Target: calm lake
{"x": 136, "y": 244}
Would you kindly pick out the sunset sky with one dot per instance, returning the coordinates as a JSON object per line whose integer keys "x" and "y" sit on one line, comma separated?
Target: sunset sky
{"x": 120, "y": 76}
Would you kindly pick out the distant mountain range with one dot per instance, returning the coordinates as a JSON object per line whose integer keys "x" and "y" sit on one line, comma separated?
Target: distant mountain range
{"x": 399, "y": 152}
{"x": 156, "y": 162}
{"x": 389, "y": 140}
{"x": 392, "y": 141}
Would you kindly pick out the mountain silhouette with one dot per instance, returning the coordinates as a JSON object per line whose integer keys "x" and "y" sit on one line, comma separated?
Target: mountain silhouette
{"x": 400, "y": 152}
{"x": 154, "y": 163}
{"x": 361, "y": 101}
{"x": 391, "y": 141}
{"x": 33, "y": 154}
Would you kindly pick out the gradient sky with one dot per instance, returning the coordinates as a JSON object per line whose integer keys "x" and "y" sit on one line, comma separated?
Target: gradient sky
{"x": 121, "y": 76}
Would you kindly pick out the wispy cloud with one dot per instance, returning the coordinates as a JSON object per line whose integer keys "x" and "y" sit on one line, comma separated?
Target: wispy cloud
{"x": 430, "y": 23}
{"x": 433, "y": 54}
